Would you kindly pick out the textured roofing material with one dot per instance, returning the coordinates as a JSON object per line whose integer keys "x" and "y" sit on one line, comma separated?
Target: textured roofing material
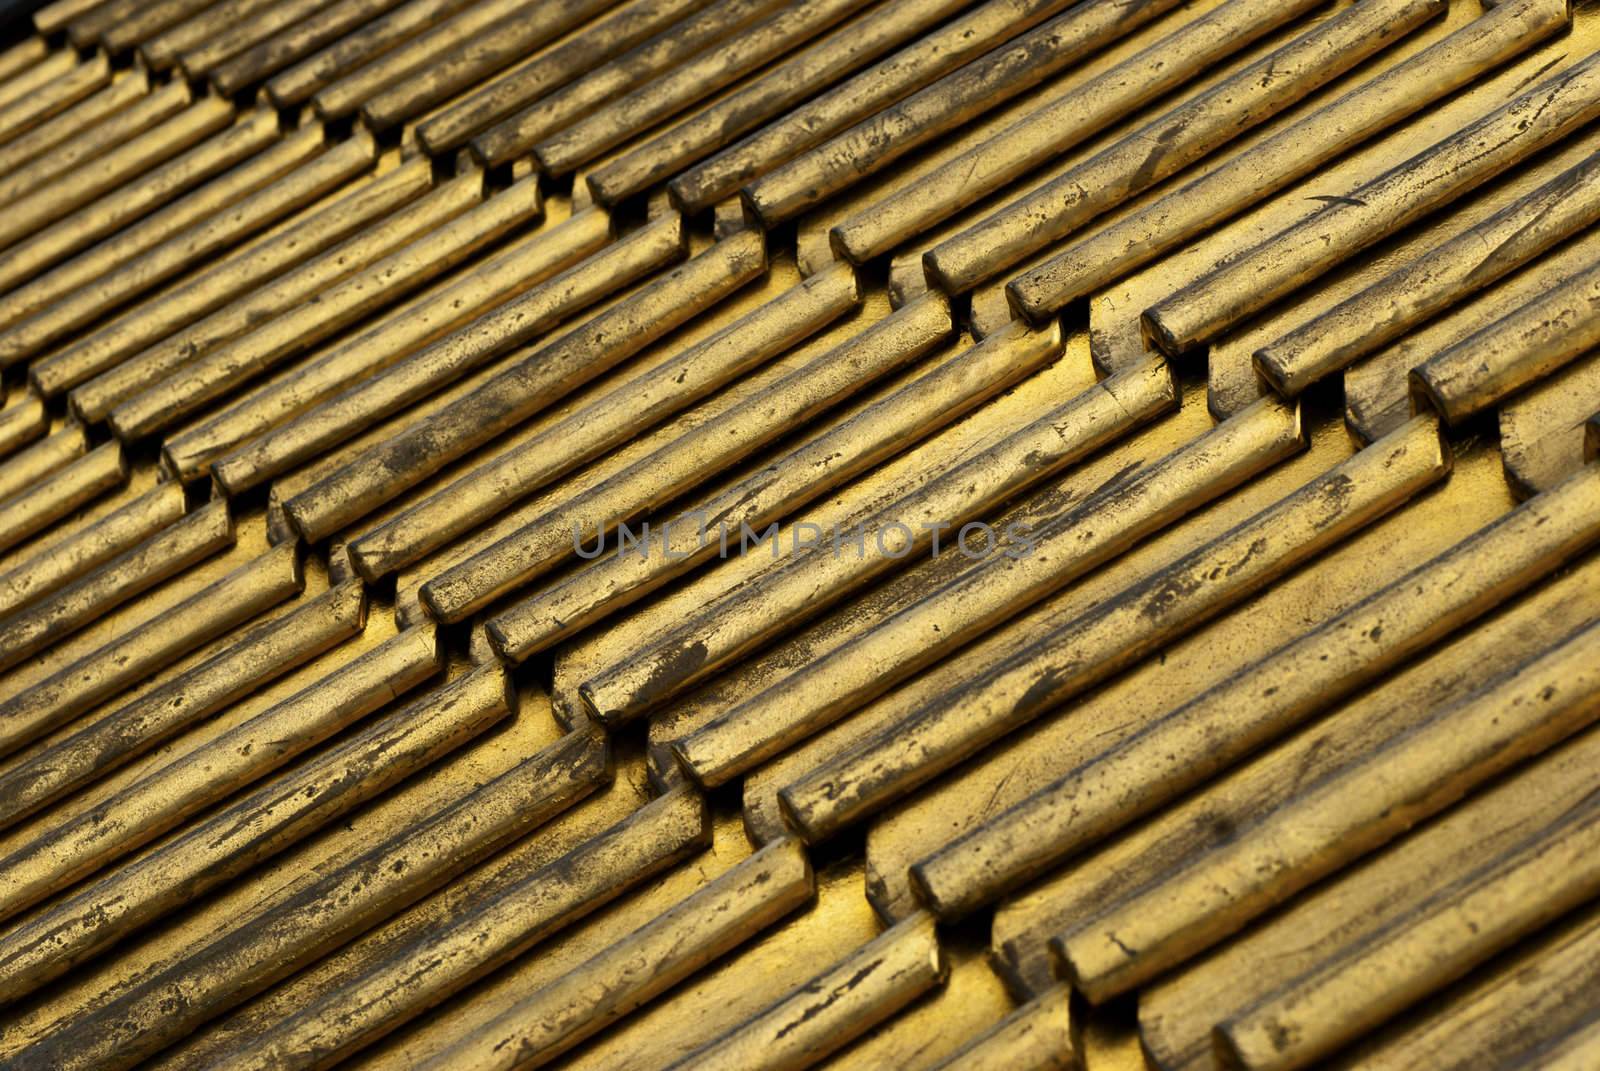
{"x": 842, "y": 533}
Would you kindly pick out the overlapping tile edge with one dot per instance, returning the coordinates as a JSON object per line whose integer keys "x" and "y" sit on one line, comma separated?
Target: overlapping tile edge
{"x": 676, "y": 534}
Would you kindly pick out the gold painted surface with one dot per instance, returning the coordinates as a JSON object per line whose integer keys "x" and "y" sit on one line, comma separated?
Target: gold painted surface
{"x": 370, "y": 696}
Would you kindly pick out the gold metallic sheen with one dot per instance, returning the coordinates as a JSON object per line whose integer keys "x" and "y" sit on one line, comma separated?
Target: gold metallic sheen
{"x": 1200, "y": 312}
{"x": 205, "y": 291}
{"x": 741, "y": 902}
{"x": 1112, "y": 252}
{"x": 1336, "y": 820}
{"x": 1444, "y": 276}
{"x": 1183, "y": 135}
{"x": 196, "y": 537}
{"x": 244, "y": 435}
{"x": 60, "y": 493}
{"x": 259, "y": 307}
{"x": 529, "y": 386}
{"x": 959, "y": 97}
{"x": 1249, "y": 709}
{"x": 803, "y": 127}
{"x": 835, "y": 1007}
{"x": 56, "y": 565}
{"x": 543, "y": 115}
{"x": 607, "y": 423}
{"x": 622, "y": 28}
{"x": 523, "y": 908}
{"x": 1515, "y": 351}
{"x": 1063, "y": 123}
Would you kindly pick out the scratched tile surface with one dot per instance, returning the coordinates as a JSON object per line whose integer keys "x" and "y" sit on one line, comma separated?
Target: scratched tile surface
{"x": 667, "y": 534}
